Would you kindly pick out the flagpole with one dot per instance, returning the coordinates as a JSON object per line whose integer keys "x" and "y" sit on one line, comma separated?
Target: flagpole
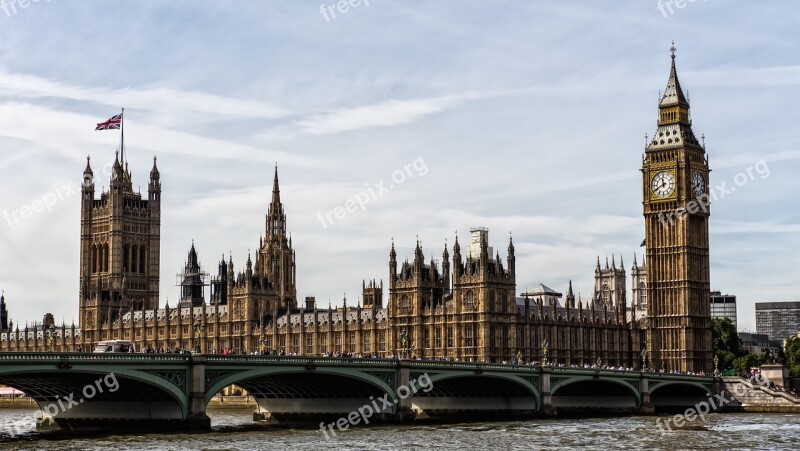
{"x": 122, "y": 135}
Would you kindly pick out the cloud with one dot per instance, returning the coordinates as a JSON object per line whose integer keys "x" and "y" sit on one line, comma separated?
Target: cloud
{"x": 384, "y": 114}
{"x": 156, "y": 97}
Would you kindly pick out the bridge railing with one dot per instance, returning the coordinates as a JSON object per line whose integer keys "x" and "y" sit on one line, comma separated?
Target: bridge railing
{"x": 297, "y": 360}
{"x": 697, "y": 377}
{"x": 91, "y": 357}
{"x": 358, "y": 361}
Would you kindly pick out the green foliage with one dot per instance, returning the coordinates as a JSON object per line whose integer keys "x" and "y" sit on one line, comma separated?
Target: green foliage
{"x": 727, "y": 344}
{"x": 792, "y": 352}
{"x": 726, "y": 359}
{"x": 743, "y": 364}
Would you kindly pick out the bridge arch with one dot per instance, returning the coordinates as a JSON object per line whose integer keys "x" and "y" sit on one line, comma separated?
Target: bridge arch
{"x": 677, "y": 395}
{"x": 116, "y": 393}
{"x": 241, "y": 378}
{"x": 299, "y": 393}
{"x": 460, "y": 392}
{"x": 591, "y": 392}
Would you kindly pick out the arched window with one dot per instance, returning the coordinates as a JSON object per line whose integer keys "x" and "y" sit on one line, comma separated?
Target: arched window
{"x": 142, "y": 259}
{"x": 470, "y": 299}
{"x": 126, "y": 258}
{"x": 405, "y": 303}
{"x": 105, "y": 257}
{"x": 237, "y": 309}
{"x": 93, "y": 258}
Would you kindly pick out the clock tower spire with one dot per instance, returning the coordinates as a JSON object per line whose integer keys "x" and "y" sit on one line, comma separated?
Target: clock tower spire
{"x": 676, "y": 211}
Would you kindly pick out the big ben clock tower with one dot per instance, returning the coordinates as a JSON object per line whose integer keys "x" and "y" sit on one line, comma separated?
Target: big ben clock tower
{"x": 676, "y": 211}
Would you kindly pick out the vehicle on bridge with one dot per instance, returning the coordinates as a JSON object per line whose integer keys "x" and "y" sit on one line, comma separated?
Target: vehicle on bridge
{"x": 115, "y": 346}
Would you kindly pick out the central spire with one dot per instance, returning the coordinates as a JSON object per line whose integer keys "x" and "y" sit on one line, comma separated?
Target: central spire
{"x": 673, "y": 94}
{"x": 276, "y": 219}
{"x": 674, "y": 120}
{"x": 276, "y": 192}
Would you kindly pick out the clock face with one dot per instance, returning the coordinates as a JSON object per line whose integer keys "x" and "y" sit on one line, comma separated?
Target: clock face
{"x": 663, "y": 184}
{"x": 698, "y": 184}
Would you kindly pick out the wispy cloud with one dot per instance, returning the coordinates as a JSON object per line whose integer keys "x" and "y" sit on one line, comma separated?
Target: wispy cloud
{"x": 17, "y": 85}
{"x": 384, "y": 114}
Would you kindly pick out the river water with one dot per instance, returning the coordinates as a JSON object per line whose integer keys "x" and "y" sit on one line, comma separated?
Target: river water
{"x": 234, "y": 430}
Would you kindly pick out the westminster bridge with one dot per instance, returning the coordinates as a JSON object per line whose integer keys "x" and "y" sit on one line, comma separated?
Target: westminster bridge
{"x": 171, "y": 391}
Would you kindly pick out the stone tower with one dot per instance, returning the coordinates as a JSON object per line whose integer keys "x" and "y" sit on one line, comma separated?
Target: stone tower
{"x": 484, "y": 291}
{"x": 192, "y": 281}
{"x": 675, "y": 203}
{"x": 372, "y": 294}
{"x": 3, "y": 313}
{"x": 120, "y": 248}
{"x": 276, "y": 259}
{"x": 609, "y": 284}
{"x": 639, "y": 288}
{"x": 415, "y": 290}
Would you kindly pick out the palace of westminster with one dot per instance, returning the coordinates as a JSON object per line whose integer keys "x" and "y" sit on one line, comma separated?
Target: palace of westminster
{"x": 465, "y": 308}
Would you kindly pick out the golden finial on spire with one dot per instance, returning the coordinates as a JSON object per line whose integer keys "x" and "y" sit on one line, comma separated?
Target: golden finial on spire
{"x": 672, "y": 50}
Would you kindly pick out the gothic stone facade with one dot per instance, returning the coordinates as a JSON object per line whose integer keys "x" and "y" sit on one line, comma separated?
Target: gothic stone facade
{"x": 467, "y": 312}
{"x": 465, "y": 308}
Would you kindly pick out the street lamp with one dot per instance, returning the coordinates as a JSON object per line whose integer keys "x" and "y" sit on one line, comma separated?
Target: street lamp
{"x": 263, "y": 342}
{"x": 50, "y": 332}
{"x": 405, "y": 344}
{"x": 644, "y": 359}
{"x": 545, "y": 347}
{"x": 199, "y": 330}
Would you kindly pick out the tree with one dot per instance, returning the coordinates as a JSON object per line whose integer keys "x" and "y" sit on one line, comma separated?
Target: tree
{"x": 792, "y": 352}
{"x": 727, "y": 344}
{"x": 743, "y": 364}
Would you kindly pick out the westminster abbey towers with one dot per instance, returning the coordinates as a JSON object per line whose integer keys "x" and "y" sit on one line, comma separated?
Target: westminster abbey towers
{"x": 676, "y": 211}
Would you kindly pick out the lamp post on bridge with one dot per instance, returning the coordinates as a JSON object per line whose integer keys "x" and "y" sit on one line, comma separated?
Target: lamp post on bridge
{"x": 405, "y": 344}
{"x": 644, "y": 359}
{"x": 545, "y": 347}
{"x": 199, "y": 334}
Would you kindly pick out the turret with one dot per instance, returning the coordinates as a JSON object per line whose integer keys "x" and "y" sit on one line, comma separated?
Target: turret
{"x": 511, "y": 258}
{"x": 446, "y": 268}
{"x": 4, "y": 327}
{"x": 154, "y": 188}
{"x": 88, "y": 179}
{"x": 392, "y": 266}
{"x": 458, "y": 267}
{"x": 249, "y": 267}
{"x": 570, "y": 296}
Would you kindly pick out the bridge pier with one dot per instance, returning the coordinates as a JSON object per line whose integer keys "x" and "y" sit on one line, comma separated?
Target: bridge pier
{"x": 404, "y": 411}
{"x": 644, "y": 390}
{"x": 547, "y": 397}
{"x": 197, "y": 419}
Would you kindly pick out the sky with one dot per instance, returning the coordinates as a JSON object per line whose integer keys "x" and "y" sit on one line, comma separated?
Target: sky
{"x": 526, "y": 117}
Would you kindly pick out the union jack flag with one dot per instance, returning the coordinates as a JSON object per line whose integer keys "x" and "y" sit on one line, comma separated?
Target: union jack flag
{"x": 112, "y": 124}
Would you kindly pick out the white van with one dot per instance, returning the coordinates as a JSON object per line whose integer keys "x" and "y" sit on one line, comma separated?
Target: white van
{"x": 115, "y": 346}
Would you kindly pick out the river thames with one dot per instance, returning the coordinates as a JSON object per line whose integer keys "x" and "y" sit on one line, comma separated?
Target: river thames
{"x": 234, "y": 430}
